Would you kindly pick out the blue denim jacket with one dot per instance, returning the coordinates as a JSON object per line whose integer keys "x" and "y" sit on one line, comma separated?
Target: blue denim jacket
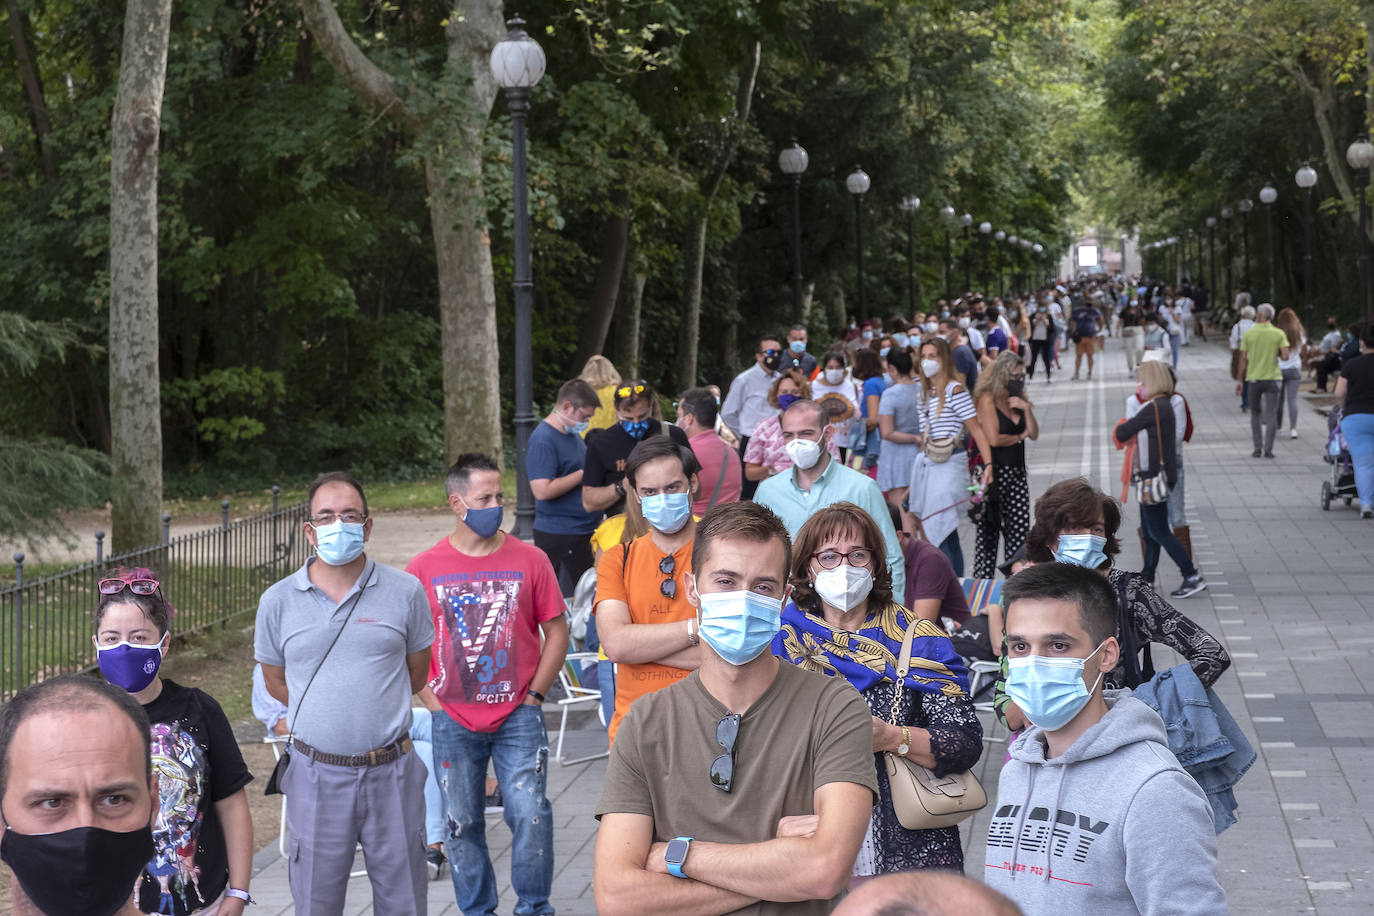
{"x": 1203, "y": 736}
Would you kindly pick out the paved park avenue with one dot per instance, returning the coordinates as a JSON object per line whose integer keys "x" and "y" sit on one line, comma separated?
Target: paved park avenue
{"x": 1289, "y": 596}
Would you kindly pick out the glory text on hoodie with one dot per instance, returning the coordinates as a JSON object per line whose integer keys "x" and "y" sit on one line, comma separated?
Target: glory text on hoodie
{"x": 1112, "y": 825}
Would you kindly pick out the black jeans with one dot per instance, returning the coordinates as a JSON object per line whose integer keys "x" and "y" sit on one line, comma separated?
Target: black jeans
{"x": 1040, "y": 349}
{"x": 1329, "y": 364}
{"x": 570, "y": 554}
{"x": 1156, "y": 533}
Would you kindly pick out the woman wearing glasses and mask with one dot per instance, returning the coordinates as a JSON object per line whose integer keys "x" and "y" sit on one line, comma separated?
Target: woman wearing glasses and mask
{"x": 843, "y": 621}
{"x": 203, "y": 833}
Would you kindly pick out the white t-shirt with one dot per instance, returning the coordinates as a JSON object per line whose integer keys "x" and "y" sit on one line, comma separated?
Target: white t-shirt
{"x": 1294, "y": 360}
{"x": 1238, "y": 331}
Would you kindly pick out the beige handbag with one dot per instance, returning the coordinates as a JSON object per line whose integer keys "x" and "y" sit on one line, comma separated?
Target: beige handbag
{"x": 938, "y": 450}
{"x": 922, "y": 800}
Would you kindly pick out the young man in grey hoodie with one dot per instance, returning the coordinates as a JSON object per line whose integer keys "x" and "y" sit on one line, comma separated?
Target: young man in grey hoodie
{"x": 1094, "y": 814}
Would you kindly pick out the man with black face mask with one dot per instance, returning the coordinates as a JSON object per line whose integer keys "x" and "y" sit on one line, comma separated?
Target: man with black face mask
{"x": 85, "y": 745}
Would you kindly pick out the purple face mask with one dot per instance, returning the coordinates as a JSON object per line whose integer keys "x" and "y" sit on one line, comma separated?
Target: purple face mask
{"x": 130, "y": 665}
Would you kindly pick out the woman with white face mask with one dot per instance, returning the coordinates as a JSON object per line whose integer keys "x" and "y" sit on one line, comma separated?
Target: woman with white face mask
{"x": 843, "y": 621}
{"x": 835, "y": 389}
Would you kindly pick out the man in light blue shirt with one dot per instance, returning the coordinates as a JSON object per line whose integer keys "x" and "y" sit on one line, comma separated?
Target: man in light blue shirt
{"x": 817, "y": 481}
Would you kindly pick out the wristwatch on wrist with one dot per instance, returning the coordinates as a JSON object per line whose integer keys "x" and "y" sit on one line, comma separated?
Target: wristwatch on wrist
{"x": 676, "y": 854}
{"x": 536, "y": 694}
{"x": 905, "y": 747}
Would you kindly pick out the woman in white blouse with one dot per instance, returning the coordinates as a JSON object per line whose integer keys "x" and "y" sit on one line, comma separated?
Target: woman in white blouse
{"x": 940, "y": 479}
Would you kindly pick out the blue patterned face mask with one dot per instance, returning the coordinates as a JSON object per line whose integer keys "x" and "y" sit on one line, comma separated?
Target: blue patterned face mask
{"x": 635, "y": 429}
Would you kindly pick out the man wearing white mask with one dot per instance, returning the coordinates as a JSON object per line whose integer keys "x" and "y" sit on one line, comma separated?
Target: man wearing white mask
{"x": 1092, "y": 808}
{"x": 748, "y": 784}
{"x": 647, "y": 626}
{"x": 344, "y": 642}
{"x": 494, "y": 600}
{"x": 816, "y": 481}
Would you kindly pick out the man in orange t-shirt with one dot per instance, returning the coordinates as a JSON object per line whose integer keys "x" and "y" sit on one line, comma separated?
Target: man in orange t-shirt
{"x": 646, "y": 625}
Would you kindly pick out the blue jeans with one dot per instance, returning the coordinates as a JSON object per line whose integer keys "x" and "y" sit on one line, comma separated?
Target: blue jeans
{"x": 954, "y": 551}
{"x": 421, "y": 731}
{"x": 1359, "y": 435}
{"x": 605, "y": 676}
{"x": 1156, "y": 533}
{"x": 1174, "y": 341}
{"x": 519, "y": 750}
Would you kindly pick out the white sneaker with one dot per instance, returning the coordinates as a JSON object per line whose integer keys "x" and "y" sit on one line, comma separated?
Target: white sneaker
{"x": 1292, "y": 434}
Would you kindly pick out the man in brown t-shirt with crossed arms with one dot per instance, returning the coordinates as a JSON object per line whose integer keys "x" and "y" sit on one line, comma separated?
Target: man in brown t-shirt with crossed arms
{"x": 746, "y": 787}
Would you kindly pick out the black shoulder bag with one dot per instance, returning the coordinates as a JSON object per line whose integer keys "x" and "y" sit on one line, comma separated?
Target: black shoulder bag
{"x": 273, "y": 786}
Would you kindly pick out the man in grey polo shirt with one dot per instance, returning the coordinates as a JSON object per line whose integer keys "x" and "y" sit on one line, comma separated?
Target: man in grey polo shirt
{"x": 353, "y": 777}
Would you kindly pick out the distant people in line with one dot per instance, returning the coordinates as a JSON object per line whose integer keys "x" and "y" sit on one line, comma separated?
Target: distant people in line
{"x": 1245, "y": 322}
{"x": 554, "y": 460}
{"x": 1261, "y": 349}
{"x": 88, "y": 743}
{"x": 603, "y": 470}
{"x": 766, "y": 454}
{"x": 602, "y": 375}
{"x": 746, "y": 403}
{"x": 721, "y": 472}
{"x": 1329, "y": 358}
{"x": 1290, "y": 369}
{"x": 750, "y": 782}
{"x": 344, "y": 642}
{"x": 1007, "y": 419}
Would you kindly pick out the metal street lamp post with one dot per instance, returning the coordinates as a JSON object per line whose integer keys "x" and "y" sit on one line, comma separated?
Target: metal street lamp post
{"x": 985, "y": 230}
{"x": 858, "y": 184}
{"x": 1267, "y": 196}
{"x": 1245, "y": 206}
{"x": 947, "y": 218}
{"x": 999, "y": 236}
{"x": 1360, "y": 156}
{"x": 793, "y": 161}
{"x": 517, "y": 63}
{"x": 1013, "y": 243}
{"x": 910, "y": 204}
{"x": 1226, "y": 214}
{"x": 966, "y": 220}
{"x": 1306, "y": 178}
{"x": 1212, "y": 255}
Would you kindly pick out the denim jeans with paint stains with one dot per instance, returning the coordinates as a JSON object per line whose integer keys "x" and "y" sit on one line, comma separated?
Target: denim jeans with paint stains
{"x": 519, "y": 752}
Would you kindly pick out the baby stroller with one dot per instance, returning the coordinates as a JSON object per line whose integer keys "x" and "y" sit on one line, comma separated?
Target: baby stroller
{"x": 1341, "y": 484}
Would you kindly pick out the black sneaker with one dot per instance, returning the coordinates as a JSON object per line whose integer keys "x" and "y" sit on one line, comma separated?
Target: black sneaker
{"x": 1256, "y": 453}
{"x": 434, "y": 862}
{"x": 1190, "y": 587}
{"x": 494, "y": 802}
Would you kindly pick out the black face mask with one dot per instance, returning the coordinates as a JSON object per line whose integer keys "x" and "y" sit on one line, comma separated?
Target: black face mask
{"x": 771, "y": 363}
{"x": 85, "y": 871}
{"x": 1015, "y": 387}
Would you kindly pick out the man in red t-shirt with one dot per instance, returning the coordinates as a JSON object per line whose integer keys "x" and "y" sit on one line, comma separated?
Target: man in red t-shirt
{"x": 491, "y": 595}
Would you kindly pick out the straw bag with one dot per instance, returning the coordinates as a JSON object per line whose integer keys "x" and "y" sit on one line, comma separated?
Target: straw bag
{"x": 922, "y": 800}
{"x": 938, "y": 450}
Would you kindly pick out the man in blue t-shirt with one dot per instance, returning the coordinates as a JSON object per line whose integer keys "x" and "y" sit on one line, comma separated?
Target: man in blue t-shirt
{"x": 1083, "y": 325}
{"x": 965, "y": 360}
{"x": 562, "y": 528}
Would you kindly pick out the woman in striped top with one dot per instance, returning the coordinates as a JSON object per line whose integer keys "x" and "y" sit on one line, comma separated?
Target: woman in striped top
{"x": 940, "y": 488}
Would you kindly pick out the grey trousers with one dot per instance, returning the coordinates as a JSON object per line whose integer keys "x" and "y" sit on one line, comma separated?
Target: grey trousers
{"x": 331, "y": 809}
{"x": 1264, "y": 412}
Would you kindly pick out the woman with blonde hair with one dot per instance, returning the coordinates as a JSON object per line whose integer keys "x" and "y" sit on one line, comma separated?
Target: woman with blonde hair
{"x": 601, "y": 374}
{"x": 1291, "y": 368}
{"x": 765, "y": 454}
{"x": 940, "y": 478}
{"x": 1007, "y": 420}
{"x": 843, "y": 621}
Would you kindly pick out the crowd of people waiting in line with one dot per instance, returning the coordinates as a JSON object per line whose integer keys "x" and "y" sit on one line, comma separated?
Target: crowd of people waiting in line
{"x": 785, "y": 645}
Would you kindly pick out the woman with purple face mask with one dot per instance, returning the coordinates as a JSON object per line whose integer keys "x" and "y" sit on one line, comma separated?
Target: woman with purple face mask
{"x": 203, "y": 832}
{"x": 765, "y": 455}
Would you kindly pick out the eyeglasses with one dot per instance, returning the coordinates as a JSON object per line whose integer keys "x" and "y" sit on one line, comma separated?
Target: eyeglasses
{"x": 630, "y": 390}
{"x": 329, "y": 518}
{"x": 668, "y": 587}
{"x": 137, "y": 586}
{"x": 723, "y": 767}
{"x": 771, "y": 352}
{"x": 829, "y": 559}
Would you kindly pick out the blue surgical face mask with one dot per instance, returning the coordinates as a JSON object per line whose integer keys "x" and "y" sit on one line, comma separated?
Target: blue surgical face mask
{"x": 129, "y": 665}
{"x": 667, "y": 512}
{"x": 1081, "y": 550}
{"x": 899, "y": 339}
{"x": 738, "y": 626}
{"x": 1050, "y": 691}
{"x": 577, "y": 427}
{"x": 797, "y": 346}
{"x": 483, "y": 522}
{"x": 339, "y": 543}
{"x": 635, "y": 429}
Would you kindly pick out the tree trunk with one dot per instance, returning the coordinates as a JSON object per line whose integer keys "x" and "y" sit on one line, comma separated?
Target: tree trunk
{"x": 135, "y": 402}
{"x": 628, "y": 309}
{"x": 33, "y": 87}
{"x": 615, "y": 241}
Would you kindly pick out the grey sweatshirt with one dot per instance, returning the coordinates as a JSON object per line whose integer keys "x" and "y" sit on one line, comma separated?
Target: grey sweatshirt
{"x": 1132, "y": 832}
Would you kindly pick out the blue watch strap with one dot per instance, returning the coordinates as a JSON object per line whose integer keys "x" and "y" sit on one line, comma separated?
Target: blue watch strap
{"x": 675, "y": 868}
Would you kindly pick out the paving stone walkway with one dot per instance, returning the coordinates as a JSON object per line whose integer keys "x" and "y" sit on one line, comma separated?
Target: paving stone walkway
{"x": 1291, "y": 595}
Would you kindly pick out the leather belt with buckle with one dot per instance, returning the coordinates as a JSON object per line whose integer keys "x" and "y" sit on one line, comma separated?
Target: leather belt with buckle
{"x": 371, "y": 759}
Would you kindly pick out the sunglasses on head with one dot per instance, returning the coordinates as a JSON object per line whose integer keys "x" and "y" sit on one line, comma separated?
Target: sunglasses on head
{"x": 137, "y": 586}
{"x": 630, "y": 390}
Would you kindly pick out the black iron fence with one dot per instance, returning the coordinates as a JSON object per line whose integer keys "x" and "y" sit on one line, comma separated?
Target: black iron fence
{"x": 209, "y": 576}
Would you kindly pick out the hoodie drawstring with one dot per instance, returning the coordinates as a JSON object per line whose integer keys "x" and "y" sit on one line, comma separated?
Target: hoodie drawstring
{"x": 1021, "y": 820}
{"x": 1054, "y": 820}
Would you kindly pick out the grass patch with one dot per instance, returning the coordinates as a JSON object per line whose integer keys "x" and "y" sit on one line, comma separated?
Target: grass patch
{"x": 401, "y": 496}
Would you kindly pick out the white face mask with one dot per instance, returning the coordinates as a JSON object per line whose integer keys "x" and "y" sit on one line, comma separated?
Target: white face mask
{"x": 964, "y": 322}
{"x": 932, "y": 327}
{"x": 834, "y": 376}
{"x": 845, "y": 587}
{"x": 929, "y": 367}
{"x": 803, "y": 452}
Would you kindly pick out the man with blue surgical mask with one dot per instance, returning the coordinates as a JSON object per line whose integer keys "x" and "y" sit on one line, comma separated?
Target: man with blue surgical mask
{"x": 494, "y": 599}
{"x": 647, "y": 626}
{"x": 603, "y": 472}
{"x": 749, "y": 784}
{"x": 344, "y": 642}
{"x": 1092, "y": 808}
{"x": 797, "y": 356}
{"x": 554, "y": 461}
